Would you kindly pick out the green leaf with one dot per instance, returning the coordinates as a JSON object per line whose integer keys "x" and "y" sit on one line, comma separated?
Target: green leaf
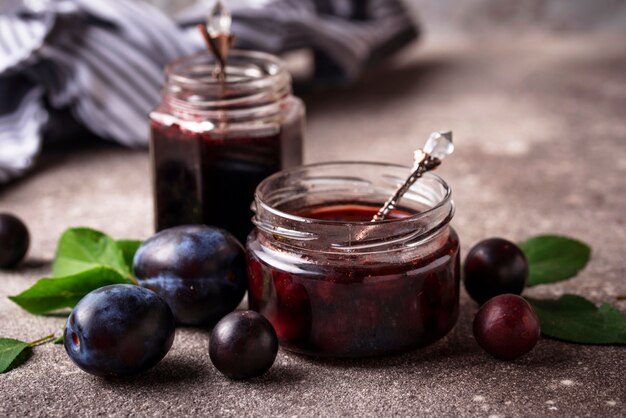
{"x": 61, "y": 338}
{"x": 575, "y": 319}
{"x": 12, "y": 353}
{"x": 82, "y": 249}
{"x": 64, "y": 292}
{"x": 128, "y": 248}
{"x": 553, "y": 258}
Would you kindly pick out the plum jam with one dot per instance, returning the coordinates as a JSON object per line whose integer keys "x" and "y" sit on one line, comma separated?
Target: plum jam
{"x": 213, "y": 142}
{"x": 335, "y": 284}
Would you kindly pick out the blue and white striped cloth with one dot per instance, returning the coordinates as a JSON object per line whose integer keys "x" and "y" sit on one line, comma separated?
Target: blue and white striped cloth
{"x": 102, "y": 60}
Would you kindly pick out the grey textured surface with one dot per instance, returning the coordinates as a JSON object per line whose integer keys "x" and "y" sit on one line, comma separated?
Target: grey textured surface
{"x": 540, "y": 130}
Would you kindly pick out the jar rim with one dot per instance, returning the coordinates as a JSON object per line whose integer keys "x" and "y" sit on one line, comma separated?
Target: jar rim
{"x": 256, "y": 82}
{"x": 273, "y": 177}
{"x": 348, "y": 235}
{"x": 278, "y": 67}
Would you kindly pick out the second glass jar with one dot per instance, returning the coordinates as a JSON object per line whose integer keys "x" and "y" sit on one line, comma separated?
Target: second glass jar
{"x": 213, "y": 141}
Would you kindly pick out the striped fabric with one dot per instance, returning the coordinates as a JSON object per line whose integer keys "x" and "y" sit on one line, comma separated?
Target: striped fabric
{"x": 102, "y": 60}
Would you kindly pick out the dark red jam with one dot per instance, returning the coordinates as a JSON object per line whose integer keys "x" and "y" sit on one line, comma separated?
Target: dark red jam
{"x": 347, "y": 305}
{"x": 347, "y": 213}
{"x": 202, "y": 178}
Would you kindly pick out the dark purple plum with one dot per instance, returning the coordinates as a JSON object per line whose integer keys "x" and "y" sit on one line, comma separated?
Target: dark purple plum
{"x": 494, "y": 267}
{"x": 119, "y": 330}
{"x": 243, "y": 345}
{"x": 14, "y": 240}
{"x": 200, "y": 271}
{"x": 507, "y": 327}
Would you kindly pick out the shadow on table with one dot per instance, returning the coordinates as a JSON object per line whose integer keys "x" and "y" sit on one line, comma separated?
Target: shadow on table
{"x": 31, "y": 263}
{"x": 176, "y": 371}
{"x": 279, "y": 375}
{"x": 466, "y": 356}
{"x": 457, "y": 350}
{"x": 171, "y": 371}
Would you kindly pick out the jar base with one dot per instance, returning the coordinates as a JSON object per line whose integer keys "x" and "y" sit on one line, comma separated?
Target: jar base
{"x": 372, "y": 354}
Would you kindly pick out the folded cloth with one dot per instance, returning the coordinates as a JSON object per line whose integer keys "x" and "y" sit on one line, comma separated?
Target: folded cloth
{"x": 102, "y": 60}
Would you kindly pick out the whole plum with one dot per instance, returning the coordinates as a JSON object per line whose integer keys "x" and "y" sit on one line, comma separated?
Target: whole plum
{"x": 506, "y": 327}
{"x": 119, "y": 330}
{"x": 494, "y": 267}
{"x": 243, "y": 345}
{"x": 14, "y": 240}
{"x": 200, "y": 271}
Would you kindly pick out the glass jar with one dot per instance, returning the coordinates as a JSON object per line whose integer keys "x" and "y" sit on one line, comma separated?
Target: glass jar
{"x": 335, "y": 284}
{"x": 213, "y": 142}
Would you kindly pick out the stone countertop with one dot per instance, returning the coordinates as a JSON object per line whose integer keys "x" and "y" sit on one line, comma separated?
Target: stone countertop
{"x": 540, "y": 129}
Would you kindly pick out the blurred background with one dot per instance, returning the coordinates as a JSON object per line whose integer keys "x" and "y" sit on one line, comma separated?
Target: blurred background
{"x": 510, "y": 17}
{"x": 532, "y": 87}
{"x": 450, "y": 17}
{"x": 432, "y": 38}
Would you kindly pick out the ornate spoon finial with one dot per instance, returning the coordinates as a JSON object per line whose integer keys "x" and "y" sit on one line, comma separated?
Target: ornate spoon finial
{"x": 217, "y": 35}
{"x": 438, "y": 146}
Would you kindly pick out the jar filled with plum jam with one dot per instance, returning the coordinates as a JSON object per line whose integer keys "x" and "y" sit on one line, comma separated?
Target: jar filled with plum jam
{"x": 332, "y": 282}
{"x": 213, "y": 139}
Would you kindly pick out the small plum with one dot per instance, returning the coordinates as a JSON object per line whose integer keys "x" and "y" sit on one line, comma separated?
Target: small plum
{"x": 14, "y": 240}
{"x": 506, "y": 327}
{"x": 494, "y": 267}
{"x": 243, "y": 345}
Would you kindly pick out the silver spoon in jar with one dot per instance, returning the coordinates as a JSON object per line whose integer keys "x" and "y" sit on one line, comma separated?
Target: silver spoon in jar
{"x": 438, "y": 146}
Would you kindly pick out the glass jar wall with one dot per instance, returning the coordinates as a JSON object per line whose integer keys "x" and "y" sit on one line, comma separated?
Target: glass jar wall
{"x": 335, "y": 284}
{"x": 213, "y": 142}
